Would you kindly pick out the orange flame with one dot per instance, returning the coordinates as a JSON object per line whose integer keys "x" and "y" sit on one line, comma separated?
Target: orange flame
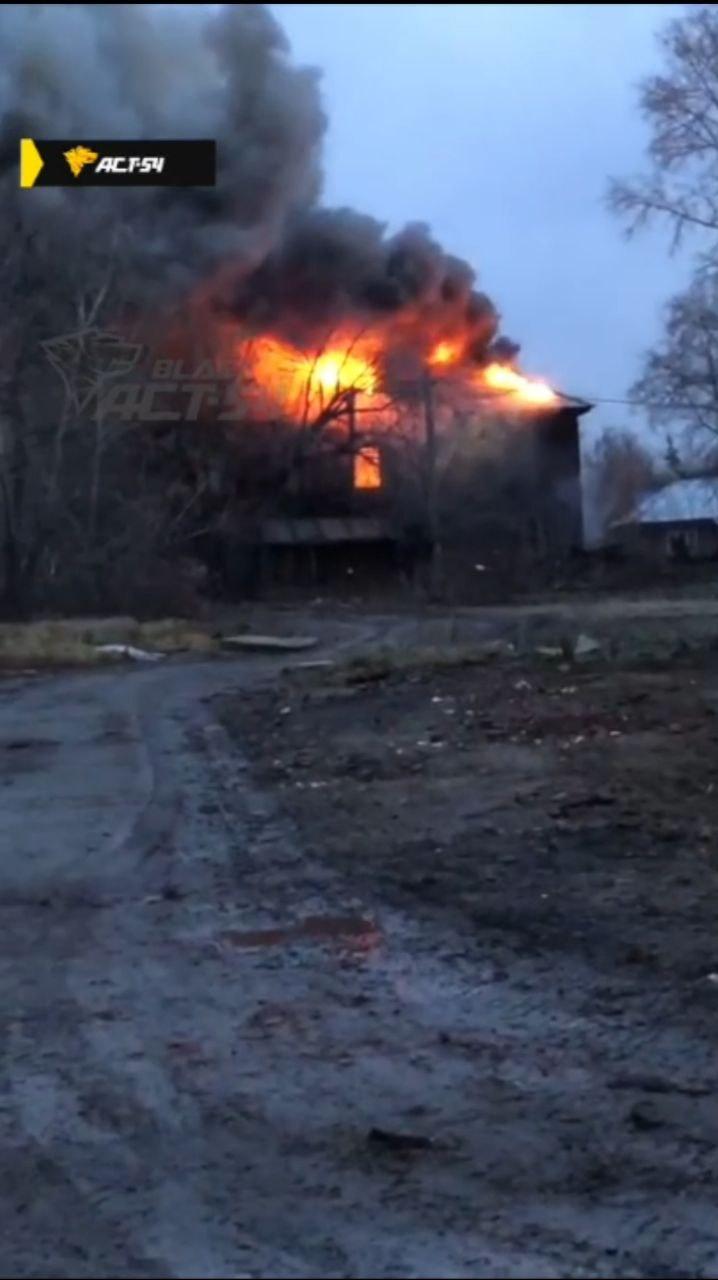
{"x": 367, "y": 468}
{"x": 446, "y": 353}
{"x": 501, "y": 377}
{"x": 497, "y": 377}
{"x": 303, "y": 383}
{"x": 298, "y": 380}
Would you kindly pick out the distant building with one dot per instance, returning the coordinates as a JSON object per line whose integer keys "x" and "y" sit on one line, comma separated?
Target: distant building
{"x": 676, "y": 522}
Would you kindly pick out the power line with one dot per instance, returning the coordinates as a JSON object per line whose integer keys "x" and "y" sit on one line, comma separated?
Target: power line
{"x": 641, "y": 404}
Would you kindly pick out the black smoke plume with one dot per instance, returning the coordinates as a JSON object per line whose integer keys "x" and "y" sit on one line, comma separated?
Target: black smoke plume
{"x": 261, "y": 245}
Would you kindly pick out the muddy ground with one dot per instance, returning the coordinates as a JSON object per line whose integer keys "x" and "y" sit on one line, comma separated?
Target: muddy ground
{"x": 537, "y": 808}
{"x": 552, "y": 827}
{"x": 363, "y": 971}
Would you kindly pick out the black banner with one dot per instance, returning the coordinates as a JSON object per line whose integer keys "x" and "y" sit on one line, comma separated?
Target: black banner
{"x": 46, "y": 162}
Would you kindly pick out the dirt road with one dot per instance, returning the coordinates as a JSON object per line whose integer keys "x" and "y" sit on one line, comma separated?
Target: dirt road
{"x": 223, "y": 1056}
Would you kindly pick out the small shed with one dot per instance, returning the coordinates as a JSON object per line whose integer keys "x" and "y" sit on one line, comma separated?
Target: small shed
{"x": 676, "y": 522}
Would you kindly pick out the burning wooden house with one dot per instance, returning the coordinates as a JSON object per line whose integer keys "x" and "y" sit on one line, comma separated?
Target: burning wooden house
{"x": 389, "y": 463}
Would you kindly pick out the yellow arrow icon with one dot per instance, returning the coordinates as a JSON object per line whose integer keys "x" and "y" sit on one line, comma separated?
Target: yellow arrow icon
{"x": 31, "y": 162}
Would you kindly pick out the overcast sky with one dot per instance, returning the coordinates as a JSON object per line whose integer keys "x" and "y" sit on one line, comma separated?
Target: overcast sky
{"x": 499, "y": 126}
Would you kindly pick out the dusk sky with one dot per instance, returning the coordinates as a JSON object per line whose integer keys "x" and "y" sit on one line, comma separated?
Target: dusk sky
{"x": 499, "y": 125}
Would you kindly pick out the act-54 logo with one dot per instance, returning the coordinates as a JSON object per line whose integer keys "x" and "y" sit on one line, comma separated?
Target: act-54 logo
{"x": 113, "y": 379}
{"x": 78, "y": 157}
{"x": 56, "y": 162}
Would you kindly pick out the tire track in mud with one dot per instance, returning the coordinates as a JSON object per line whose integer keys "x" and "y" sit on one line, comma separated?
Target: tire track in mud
{"x": 184, "y": 1105}
{"x": 100, "y": 1093}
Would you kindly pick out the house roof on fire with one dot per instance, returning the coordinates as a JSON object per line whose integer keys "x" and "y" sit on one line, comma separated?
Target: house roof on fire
{"x": 683, "y": 500}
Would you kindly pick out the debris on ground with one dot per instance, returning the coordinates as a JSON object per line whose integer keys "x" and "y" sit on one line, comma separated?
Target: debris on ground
{"x": 251, "y": 641}
{"x": 312, "y": 664}
{"x": 399, "y": 1142}
{"x": 586, "y": 646}
{"x": 551, "y": 651}
{"x": 129, "y": 651}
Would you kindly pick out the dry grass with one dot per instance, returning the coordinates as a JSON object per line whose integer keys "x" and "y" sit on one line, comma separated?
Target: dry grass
{"x": 43, "y": 644}
{"x": 379, "y": 664}
{"x": 173, "y": 635}
{"x": 75, "y": 642}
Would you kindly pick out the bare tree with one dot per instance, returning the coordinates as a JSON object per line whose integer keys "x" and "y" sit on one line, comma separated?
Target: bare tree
{"x": 681, "y": 108}
{"x": 621, "y": 470}
{"x": 679, "y": 382}
{"x": 89, "y": 505}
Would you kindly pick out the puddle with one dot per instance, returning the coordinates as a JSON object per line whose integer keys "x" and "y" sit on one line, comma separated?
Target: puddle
{"x": 355, "y": 930}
